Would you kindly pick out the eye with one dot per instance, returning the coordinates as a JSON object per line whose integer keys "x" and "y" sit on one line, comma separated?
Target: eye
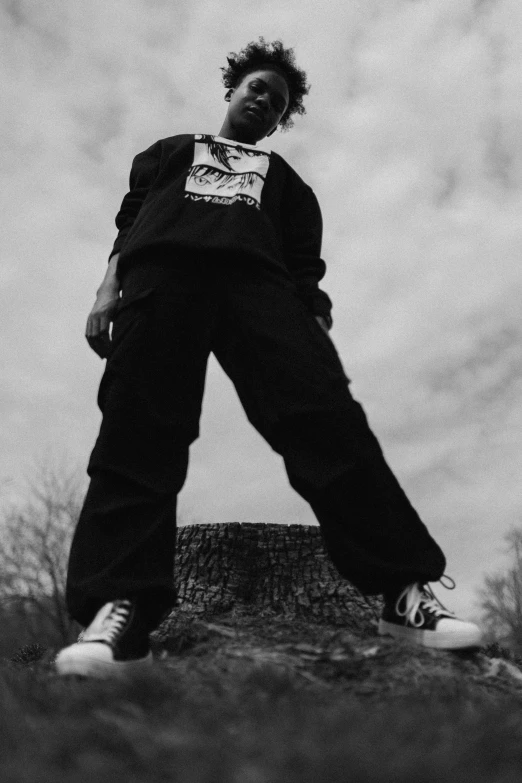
{"x": 277, "y": 102}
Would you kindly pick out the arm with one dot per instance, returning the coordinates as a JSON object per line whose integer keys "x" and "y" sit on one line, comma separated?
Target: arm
{"x": 145, "y": 167}
{"x": 303, "y": 230}
{"x": 102, "y": 314}
{"x": 143, "y": 173}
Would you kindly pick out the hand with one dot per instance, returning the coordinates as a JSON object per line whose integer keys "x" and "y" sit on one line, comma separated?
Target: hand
{"x": 102, "y": 314}
{"x": 322, "y": 322}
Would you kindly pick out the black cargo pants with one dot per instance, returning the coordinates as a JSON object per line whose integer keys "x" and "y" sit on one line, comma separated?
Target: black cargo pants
{"x": 294, "y": 391}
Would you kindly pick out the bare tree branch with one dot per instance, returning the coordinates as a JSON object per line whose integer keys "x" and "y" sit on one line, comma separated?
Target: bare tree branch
{"x": 35, "y": 540}
{"x": 501, "y": 596}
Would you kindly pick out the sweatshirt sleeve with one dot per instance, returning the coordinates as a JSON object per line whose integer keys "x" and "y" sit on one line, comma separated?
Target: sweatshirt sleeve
{"x": 144, "y": 169}
{"x": 303, "y": 232}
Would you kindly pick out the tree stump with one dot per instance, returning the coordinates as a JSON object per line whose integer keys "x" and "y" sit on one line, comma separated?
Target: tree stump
{"x": 265, "y": 569}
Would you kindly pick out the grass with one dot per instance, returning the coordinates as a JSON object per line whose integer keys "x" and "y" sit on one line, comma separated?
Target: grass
{"x": 200, "y": 724}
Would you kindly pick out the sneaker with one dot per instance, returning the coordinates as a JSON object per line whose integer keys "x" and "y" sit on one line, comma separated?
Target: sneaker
{"x": 418, "y": 616}
{"x": 116, "y": 643}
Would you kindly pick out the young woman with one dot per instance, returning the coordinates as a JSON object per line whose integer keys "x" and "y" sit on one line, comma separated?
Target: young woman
{"x": 218, "y": 250}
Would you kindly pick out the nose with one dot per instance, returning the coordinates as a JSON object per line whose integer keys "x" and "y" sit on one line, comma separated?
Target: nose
{"x": 262, "y": 99}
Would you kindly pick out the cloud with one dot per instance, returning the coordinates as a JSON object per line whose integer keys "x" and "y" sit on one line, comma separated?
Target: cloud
{"x": 411, "y": 142}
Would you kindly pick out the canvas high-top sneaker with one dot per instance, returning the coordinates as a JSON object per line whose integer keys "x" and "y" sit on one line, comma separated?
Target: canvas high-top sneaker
{"x": 416, "y": 615}
{"x": 116, "y": 643}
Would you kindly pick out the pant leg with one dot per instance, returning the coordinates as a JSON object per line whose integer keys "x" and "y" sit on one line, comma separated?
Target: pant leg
{"x": 150, "y": 397}
{"x": 294, "y": 390}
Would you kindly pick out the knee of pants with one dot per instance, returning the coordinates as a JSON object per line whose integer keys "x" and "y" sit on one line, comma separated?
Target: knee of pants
{"x": 154, "y": 459}
{"x": 319, "y": 446}
{"x": 139, "y": 442}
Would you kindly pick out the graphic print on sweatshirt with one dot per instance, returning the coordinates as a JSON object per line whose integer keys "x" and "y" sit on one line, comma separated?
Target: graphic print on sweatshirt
{"x": 224, "y": 172}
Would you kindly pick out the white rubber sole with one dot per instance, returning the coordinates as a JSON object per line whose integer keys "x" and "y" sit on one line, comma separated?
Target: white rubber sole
{"x": 440, "y": 640}
{"x": 91, "y": 666}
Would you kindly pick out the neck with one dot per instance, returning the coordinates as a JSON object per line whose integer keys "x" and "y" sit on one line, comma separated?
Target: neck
{"x": 228, "y": 132}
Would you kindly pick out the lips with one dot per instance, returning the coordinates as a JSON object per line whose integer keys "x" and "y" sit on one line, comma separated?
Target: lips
{"x": 256, "y": 112}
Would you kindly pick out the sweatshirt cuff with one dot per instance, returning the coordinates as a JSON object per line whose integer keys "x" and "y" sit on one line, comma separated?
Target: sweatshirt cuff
{"x": 328, "y": 319}
{"x": 319, "y": 303}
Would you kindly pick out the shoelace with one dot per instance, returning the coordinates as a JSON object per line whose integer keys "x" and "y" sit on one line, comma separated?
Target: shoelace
{"x": 416, "y": 596}
{"x": 108, "y": 622}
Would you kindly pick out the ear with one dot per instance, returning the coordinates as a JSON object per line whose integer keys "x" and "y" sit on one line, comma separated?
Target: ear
{"x": 271, "y": 132}
{"x": 228, "y": 94}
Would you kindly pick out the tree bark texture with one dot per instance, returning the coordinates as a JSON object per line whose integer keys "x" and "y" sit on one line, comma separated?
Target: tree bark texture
{"x": 265, "y": 568}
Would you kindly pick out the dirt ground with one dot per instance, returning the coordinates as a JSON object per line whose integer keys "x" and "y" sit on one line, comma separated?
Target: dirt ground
{"x": 325, "y": 657}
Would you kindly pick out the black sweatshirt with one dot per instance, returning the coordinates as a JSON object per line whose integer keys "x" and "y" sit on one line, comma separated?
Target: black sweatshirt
{"x": 207, "y": 194}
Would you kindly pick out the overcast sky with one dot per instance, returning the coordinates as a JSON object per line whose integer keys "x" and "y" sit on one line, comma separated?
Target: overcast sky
{"x": 411, "y": 142}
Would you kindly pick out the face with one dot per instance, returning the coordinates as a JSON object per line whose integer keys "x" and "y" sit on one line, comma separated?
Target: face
{"x": 257, "y": 105}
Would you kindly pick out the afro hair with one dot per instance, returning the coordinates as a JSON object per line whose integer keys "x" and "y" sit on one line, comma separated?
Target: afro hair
{"x": 260, "y": 54}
